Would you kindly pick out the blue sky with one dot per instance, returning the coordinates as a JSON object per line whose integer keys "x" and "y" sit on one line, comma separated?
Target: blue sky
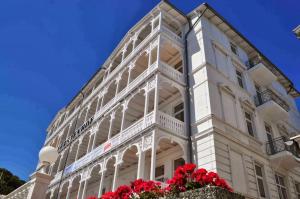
{"x": 50, "y": 48}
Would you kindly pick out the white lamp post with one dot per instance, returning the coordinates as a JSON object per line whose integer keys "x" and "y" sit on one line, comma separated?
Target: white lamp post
{"x": 47, "y": 155}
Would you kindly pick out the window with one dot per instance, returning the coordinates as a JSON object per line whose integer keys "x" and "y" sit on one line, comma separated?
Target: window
{"x": 178, "y": 162}
{"x": 260, "y": 181}
{"x": 233, "y": 48}
{"x": 281, "y": 186}
{"x": 160, "y": 173}
{"x": 239, "y": 77}
{"x": 297, "y": 186}
{"x": 178, "y": 66}
{"x": 179, "y": 112}
{"x": 268, "y": 129}
{"x": 249, "y": 123}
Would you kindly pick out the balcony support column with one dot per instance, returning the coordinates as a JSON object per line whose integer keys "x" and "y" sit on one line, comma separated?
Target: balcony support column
{"x": 69, "y": 130}
{"x": 112, "y": 117}
{"x": 98, "y": 103}
{"x": 87, "y": 113}
{"x": 78, "y": 148}
{"x": 129, "y": 72}
{"x": 118, "y": 83}
{"x": 101, "y": 183}
{"x": 156, "y": 97}
{"x": 90, "y": 143}
{"x": 141, "y": 165}
{"x": 125, "y": 106}
{"x": 79, "y": 194}
{"x": 146, "y": 103}
{"x": 85, "y": 187}
{"x": 69, "y": 191}
{"x": 153, "y": 157}
{"x": 115, "y": 176}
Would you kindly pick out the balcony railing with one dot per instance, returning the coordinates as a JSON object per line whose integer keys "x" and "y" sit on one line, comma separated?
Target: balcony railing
{"x": 269, "y": 95}
{"x": 117, "y": 69}
{"x": 281, "y": 144}
{"x": 163, "y": 120}
{"x": 166, "y": 70}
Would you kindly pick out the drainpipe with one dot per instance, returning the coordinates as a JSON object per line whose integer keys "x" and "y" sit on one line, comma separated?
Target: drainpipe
{"x": 188, "y": 126}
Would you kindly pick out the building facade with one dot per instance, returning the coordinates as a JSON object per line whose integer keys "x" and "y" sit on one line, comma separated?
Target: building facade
{"x": 179, "y": 88}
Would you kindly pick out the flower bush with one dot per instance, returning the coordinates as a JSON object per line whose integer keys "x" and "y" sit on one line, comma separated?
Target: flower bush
{"x": 185, "y": 178}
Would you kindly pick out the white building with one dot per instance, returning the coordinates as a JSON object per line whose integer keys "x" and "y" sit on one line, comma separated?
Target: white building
{"x": 297, "y": 31}
{"x": 177, "y": 89}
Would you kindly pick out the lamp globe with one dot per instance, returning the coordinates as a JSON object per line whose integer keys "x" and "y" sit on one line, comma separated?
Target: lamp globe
{"x": 48, "y": 154}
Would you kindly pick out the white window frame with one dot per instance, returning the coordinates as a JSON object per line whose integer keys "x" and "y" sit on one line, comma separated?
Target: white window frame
{"x": 239, "y": 78}
{"x": 262, "y": 178}
{"x": 251, "y": 121}
{"x": 281, "y": 187}
{"x": 180, "y": 111}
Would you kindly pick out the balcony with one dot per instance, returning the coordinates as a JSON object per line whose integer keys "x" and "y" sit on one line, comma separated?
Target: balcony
{"x": 283, "y": 152}
{"x": 162, "y": 120}
{"x": 271, "y": 105}
{"x": 260, "y": 72}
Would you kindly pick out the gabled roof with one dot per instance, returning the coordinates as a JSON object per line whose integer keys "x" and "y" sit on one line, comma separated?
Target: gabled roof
{"x": 244, "y": 43}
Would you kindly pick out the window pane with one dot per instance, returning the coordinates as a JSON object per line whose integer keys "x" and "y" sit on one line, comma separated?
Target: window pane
{"x": 258, "y": 170}
{"x": 159, "y": 171}
{"x": 250, "y": 128}
{"x": 178, "y": 162}
{"x": 261, "y": 188}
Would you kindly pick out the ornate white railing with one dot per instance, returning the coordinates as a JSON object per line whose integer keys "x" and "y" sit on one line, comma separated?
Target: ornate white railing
{"x": 21, "y": 192}
{"x": 171, "y": 72}
{"x": 163, "y": 120}
{"x": 171, "y": 123}
{"x": 164, "y": 29}
{"x": 163, "y": 67}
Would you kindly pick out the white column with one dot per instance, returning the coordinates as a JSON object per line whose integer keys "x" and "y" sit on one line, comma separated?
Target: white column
{"x": 156, "y": 98}
{"x": 85, "y": 187}
{"x": 98, "y": 102}
{"x": 153, "y": 157}
{"x": 129, "y": 74}
{"x": 69, "y": 191}
{"x": 118, "y": 84}
{"x": 141, "y": 165}
{"x": 112, "y": 117}
{"x": 79, "y": 189}
{"x": 69, "y": 130}
{"x": 123, "y": 116}
{"x": 115, "y": 177}
{"x": 146, "y": 103}
{"x": 78, "y": 148}
{"x": 87, "y": 112}
{"x": 101, "y": 183}
{"x": 60, "y": 161}
{"x": 149, "y": 55}
{"x": 91, "y": 142}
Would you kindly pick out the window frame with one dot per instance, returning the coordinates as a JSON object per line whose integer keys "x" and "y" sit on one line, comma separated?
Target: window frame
{"x": 181, "y": 111}
{"x": 262, "y": 178}
{"x": 239, "y": 78}
{"x": 234, "y": 48}
{"x": 160, "y": 178}
{"x": 251, "y": 120}
{"x": 281, "y": 187}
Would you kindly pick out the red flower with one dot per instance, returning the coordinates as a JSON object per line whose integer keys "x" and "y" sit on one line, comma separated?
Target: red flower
{"x": 123, "y": 192}
{"x": 108, "y": 195}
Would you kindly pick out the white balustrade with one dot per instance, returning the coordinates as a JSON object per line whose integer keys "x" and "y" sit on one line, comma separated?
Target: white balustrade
{"x": 21, "y": 192}
{"x": 171, "y": 123}
{"x": 165, "y": 121}
{"x": 171, "y": 72}
{"x": 172, "y": 35}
